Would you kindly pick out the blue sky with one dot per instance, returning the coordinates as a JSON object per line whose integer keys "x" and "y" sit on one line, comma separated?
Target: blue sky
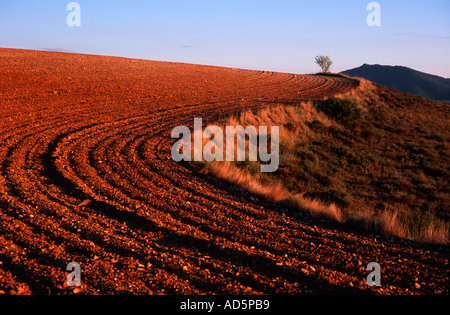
{"x": 278, "y": 35}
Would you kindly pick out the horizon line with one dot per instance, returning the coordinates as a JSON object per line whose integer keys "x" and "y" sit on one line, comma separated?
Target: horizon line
{"x": 68, "y": 51}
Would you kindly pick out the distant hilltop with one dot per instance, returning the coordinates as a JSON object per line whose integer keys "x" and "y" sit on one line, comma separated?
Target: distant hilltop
{"x": 405, "y": 79}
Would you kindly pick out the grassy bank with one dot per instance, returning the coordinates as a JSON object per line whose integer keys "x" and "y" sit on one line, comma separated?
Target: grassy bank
{"x": 375, "y": 159}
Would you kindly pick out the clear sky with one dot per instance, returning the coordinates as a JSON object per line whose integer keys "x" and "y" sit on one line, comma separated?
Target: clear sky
{"x": 278, "y": 35}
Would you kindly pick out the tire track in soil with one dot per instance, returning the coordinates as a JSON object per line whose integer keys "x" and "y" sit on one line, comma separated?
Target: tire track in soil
{"x": 86, "y": 176}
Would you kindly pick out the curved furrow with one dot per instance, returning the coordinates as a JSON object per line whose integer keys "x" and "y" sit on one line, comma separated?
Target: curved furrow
{"x": 171, "y": 224}
{"x": 44, "y": 187}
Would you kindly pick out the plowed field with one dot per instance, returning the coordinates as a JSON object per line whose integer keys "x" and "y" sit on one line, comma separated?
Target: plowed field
{"x": 86, "y": 176}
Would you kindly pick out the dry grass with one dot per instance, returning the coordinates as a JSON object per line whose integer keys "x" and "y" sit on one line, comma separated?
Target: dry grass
{"x": 293, "y": 122}
{"x": 317, "y": 208}
{"x": 233, "y": 174}
{"x": 388, "y": 222}
{"x": 273, "y": 192}
{"x": 400, "y": 223}
{"x": 320, "y": 157}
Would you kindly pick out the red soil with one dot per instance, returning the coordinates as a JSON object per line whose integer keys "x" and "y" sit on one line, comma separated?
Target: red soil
{"x": 86, "y": 176}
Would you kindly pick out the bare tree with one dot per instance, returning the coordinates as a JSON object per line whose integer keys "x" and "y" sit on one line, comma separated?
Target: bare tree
{"x": 324, "y": 63}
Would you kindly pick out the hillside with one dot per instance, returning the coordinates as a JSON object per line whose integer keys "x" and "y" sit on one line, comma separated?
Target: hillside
{"x": 374, "y": 158}
{"x": 86, "y": 176}
{"x": 406, "y": 80}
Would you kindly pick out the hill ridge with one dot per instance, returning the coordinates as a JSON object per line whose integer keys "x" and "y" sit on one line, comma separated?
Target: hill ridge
{"x": 405, "y": 79}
